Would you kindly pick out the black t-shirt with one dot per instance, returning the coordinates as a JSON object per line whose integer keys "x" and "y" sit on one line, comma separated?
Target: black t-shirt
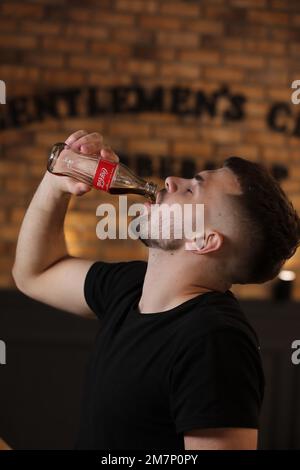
{"x": 153, "y": 376}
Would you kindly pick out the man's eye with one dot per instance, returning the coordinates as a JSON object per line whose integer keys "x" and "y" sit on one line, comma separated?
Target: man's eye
{"x": 189, "y": 190}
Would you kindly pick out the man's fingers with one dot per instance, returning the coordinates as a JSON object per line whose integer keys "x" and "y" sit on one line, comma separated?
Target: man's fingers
{"x": 90, "y": 144}
{"x": 94, "y": 138}
{"x": 76, "y": 135}
{"x": 108, "y": 154}
{"x": 91, "y": 147}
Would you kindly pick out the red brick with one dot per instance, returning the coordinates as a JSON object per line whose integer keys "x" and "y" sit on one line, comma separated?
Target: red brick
{"x": 132, "y": 36}
{"x": 281, "y": 63}
{"x": 49, "y": 138}
{"x": 256, "y": 108}
{"x": 177, "y": 40}
{"x": 251, "y": 92}
{"x": 137, "y": 6}
{"x": 41, "y": 27}
{"x": 89, "y": 62}
{"x": 246, "y": 61}
{"x": 63, "y": 45}
{"x": 6, "y": 262}
{"x": 265, "y": 138}
{"x": 267, "y": 17}
{"x": 110, "y": 48}
{"x": 223, "y": 135}
{"x": 176, "y": 132}
{"x": 22, "y": 9}
{"x": 85, "y": 31}
{"x": 137, "y": 67}
{"x": 280, "y": 34}
{"x": 224, "y": 74}
{"x": 269, "y": 77}
{"x": 17, "y": 214}
{"x": 180, "y": 8}
{"x": 8, "y": 24}
{"x": 264, "y": 47}
{"x": 291, "y": 5}
{"x": 196, "y": 148}
{"x": 206, "y": 26}
{"x": 294, "y": 49}
{"x": 19, "y": 72}
{"x": 165, "y": 54}
{"x": 44, "y": 60}
{"x": 248, "y": 3}
{"x": 16, "y": 41}
{"x": 63, "y": 76}
{"x": 274, "y": 154}
{"x": 80, "y": 14}
{"x": 151, "y": 146}
{"x": 159, "y": 22}
{"x": 247, "y": 29}
{"x": 6, "y": 280}
{"x": 128, "y": 129}
{"x": 296, "y": 20}
{"x": 250, "y": 152}
{"x": 201, "y": 56}
{"x": 233, "y": 44}
{"x": 110, "y": 78}
{"x": 12, "y": 168}
{"x": 80, "y": 220}
{"x": 113, "y": 19}
{"x": 3, "y": 217}
{"x": 180, "y": 69}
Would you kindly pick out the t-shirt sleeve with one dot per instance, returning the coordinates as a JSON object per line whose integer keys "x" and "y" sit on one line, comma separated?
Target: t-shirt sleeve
{"x": 107, "y": 283}
{"x": 217, "y": 382}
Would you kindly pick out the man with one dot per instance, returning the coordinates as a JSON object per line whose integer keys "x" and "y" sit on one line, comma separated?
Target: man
{"x": 176, "y": 365}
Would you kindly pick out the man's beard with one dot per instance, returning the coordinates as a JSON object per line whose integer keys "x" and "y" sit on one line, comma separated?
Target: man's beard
{"x": 167, "y": 244}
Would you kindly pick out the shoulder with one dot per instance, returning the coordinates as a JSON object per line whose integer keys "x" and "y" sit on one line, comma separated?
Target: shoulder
{"x": 221, "y": 314}
{"x": 118, "y": 271}
{"x": 218, "y": 330}
{"x": 106, "y": 284}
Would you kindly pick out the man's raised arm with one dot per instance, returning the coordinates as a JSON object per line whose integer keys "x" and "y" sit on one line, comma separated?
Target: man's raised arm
{"x": 43, "y": 268}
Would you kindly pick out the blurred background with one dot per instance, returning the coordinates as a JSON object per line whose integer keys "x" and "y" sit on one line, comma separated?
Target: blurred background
{"x": 174, "y": 87}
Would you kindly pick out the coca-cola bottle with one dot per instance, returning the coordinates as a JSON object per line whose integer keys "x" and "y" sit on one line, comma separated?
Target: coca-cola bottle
{"x": 97, "y": 172}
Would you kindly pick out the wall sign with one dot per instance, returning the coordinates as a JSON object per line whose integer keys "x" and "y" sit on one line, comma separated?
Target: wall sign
{"x": 97, "y": 101}
{"x": 135, "y": 99}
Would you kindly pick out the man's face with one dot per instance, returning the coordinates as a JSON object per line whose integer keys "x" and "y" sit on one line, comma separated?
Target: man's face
{"x": 210, "y": 187}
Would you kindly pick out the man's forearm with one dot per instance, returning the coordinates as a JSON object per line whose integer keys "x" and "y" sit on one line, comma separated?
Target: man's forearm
{"x": 41, "y": 241}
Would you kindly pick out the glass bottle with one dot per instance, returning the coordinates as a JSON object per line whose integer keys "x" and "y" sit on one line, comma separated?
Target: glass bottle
{"x": 97, "y": 172}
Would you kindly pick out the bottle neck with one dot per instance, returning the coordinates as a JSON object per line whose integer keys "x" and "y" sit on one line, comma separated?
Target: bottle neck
{"x": 150, "y": 190}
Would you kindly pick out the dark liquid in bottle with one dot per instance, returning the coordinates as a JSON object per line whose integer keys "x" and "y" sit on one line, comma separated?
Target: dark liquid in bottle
{"x": 132, "y": 191}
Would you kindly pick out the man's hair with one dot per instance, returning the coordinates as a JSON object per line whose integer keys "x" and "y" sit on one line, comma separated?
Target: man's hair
{"x": 272, "y": 226}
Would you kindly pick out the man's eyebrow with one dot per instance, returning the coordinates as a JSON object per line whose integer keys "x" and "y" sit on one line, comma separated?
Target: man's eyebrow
{"x": 198, "y": 178}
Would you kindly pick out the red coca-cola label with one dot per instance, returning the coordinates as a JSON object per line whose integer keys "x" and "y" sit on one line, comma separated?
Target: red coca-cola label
{"x": 104, "y": 174}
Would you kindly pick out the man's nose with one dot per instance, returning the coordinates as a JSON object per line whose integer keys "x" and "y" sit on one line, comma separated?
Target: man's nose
{"x": 171, "y": 184}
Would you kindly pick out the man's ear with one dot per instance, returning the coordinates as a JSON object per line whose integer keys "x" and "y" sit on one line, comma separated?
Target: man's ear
{"x": 212, "y": 241}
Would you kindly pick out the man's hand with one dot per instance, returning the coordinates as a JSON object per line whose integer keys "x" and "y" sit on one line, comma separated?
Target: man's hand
{"x": 83, "y": 142}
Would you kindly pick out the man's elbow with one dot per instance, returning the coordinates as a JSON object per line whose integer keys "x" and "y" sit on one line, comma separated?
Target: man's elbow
{"x": 21, "y": 280}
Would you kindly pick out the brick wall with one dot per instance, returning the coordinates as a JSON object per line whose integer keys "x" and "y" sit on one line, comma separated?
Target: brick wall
{"x": 253, "y": 46}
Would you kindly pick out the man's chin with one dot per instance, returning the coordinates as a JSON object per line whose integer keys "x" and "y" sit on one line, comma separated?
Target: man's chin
{"x": 166, "y": 245}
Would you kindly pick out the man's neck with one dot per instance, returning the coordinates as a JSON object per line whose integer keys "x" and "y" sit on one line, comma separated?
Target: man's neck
{"x": 170, "y": 280}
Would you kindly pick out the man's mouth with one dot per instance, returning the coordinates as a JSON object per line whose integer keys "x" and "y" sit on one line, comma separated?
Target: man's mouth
{"x": 159, "y": 196}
